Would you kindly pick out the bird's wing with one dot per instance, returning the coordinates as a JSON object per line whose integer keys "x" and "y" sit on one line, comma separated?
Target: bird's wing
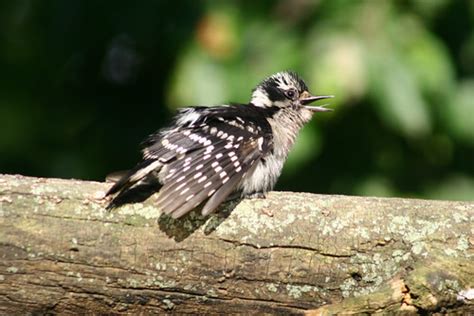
{"x": 227, "y": 148}
{"x": 161, "y": 149}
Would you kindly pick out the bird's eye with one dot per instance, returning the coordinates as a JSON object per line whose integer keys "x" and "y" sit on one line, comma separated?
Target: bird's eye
{"x": 291, "y": 94}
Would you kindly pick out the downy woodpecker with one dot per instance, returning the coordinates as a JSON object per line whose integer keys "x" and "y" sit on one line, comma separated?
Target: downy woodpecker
{"x": 212, "y": 154}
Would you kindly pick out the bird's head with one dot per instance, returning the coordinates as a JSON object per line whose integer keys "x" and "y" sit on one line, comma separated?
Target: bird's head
{"x": 286, "y": 89}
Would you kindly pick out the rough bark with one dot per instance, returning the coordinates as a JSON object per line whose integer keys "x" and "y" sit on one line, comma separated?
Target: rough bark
{"x": 62, "y": 252}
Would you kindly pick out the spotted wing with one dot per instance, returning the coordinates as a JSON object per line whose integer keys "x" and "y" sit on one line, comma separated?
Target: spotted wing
{"x": 228, "y": 149}
{"x": 163, "y": 148}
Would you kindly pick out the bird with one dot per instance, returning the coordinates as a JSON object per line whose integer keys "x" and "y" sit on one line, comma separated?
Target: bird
{"x": 211, "y": 154}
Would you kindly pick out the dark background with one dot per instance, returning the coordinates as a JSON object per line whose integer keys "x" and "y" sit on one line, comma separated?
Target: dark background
{"x": 82, "y": 83}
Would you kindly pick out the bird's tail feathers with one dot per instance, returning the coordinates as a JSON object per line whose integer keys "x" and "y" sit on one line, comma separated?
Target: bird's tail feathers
{"x": 134, "y": 176}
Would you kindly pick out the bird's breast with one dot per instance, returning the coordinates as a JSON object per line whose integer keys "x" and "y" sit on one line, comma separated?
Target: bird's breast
{"x": 263, "y": 177}
{"x": 286, "y": 125}
{"x": 285, "y": 128}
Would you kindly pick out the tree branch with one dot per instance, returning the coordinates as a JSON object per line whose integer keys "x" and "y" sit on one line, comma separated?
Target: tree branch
{"x": 62, "y": 252}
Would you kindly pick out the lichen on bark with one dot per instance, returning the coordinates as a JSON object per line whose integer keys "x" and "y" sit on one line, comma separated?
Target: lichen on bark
{"x": 63, "y": 252}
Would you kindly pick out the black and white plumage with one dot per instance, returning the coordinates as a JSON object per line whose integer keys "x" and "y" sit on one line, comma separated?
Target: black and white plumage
{"x": 211, "y": 154}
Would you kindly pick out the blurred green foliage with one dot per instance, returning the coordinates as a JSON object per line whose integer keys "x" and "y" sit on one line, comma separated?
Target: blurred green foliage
{"x": 83, "y": 82}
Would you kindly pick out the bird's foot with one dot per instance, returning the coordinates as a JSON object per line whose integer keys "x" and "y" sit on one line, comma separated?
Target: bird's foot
{"x": 257, "y": 195}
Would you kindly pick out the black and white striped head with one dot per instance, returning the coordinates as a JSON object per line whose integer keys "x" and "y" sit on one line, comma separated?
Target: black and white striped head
{"x": 285, "y": 89}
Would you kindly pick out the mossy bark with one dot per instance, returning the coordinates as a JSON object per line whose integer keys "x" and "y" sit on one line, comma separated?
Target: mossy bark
{"x": 61, "y": 251}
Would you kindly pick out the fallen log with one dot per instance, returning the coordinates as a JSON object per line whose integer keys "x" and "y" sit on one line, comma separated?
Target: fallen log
{"x": 62, "y": 252}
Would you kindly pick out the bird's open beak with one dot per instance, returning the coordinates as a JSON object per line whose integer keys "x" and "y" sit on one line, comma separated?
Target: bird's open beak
{"x": 307, "y": 98}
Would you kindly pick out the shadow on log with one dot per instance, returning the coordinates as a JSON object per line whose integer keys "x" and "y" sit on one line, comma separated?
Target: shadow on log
{"x": 62, "y": 252}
